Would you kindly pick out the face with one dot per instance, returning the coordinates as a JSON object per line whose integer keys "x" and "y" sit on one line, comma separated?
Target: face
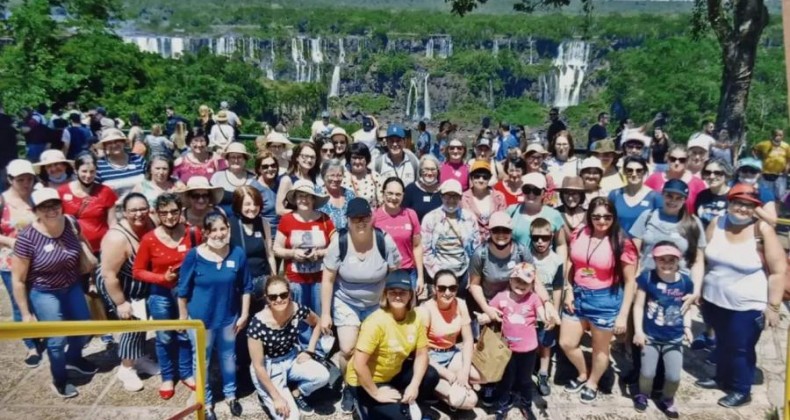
{"x": 451, "y": 201}
{"x": 429, "y": 171}
{"x": 236, "y": 161}
{"x": 709, "y": 128}
{"x": 501, "y": 235}
{"x": 483, "y": 152}
{"x": 666, "y": 264}
{"x": 340, "y": 143}
{"x": 49, "y": 210}
{"x": 553, "y": 116}
{"x": 633, "y": 148}
{"x": 327, "y": 151}
{"x": 169, "y": 215}
{"x": 395, "y": 145}
{"x": 114, "y": 148}
{"x": 160, "y": 170}
{"x": 532, "y": 194}
{"x": 278, "y": 296}
{"x": 541, "y": 239}
{"x": 713, "y": 175}
{"x": 562, "y": 147}
{"x": 742, "y": 208}
{"x": 534, "y": 162}
{"x": 200, "y": 199}
{"x": 634, "y": 173}
{"x": 198, "y": 145}
{"x": 398, "y": 298}
{"x": 572, "y": 198}
{"x": 519, "y": 287}
{"x": 456, "y": 153}
{"x": 607, "y": 159}
{"x": 748, "y": 174}
{"x": 446, "y": 289}
{"x": 360, "y": 224}
{"x": 591, "y": 178}
{"x": 515, "y": 173}
{"x": 602, "y": 219}
{"x": 658, "y": 132}
{"x": 23, "y": 184}
{"x": 268, "y": 169}
{"x": 276, "y": 148}
{"x": 55, "y": 170}
{"x": 480, "y": 179}
{"x": 393, "y": 195}
{"x": 677, "y": 161}
{"x": 304, "y": 201}
{"x": 248, "y": 207}
{"x": 169, "y": 112}
{"x": 358, "y": 164}
{"x": 307, "y": 158}
{"x": 673, "y": 202}
{"x": 219, "y": 230}
{"x": 136, "y": 212}
{"x": 697, "y": 156}
{"x": 333, "y": 178}
{"x": 779, "y": 136}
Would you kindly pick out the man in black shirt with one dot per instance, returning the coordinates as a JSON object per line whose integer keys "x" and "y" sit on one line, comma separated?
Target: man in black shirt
{"x": 598, "y": 131}
{"x": 556, "y": 124}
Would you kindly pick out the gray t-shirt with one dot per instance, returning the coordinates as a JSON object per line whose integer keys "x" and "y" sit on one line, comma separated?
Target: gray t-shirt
{"x": 495, "y": 272}
{"x": 360, "y": 282}
{"x": 653, "y": 226}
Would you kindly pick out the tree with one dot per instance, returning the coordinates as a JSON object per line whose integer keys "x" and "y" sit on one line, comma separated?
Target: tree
{"x": 737, "y": 25}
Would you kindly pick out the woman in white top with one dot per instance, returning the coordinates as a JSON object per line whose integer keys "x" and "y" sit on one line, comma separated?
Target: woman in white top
{"x": 222, "y": 134}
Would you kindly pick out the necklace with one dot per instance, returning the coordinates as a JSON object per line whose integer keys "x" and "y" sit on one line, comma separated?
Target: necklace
{"x": 589, "y": 253}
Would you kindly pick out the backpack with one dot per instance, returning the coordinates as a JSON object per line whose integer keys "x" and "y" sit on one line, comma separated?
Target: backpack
{"x": 342, "y": 242}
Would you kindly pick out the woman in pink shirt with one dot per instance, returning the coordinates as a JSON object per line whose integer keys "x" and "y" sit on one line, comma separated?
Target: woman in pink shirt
{"x": 404, "y": 227}
{"x": 676, "y": 169}
{"x": 482, "y": 200}
{"x": 199, "y": 161}
{"x": 601, "y": 269}
{"x": 454, "y": 167}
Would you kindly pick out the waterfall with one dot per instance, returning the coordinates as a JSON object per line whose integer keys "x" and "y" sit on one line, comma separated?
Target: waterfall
{"x": 427, "y": 101}
{"x": 496, "y": 47}
{"x": 445, "y": 47}
{"x": 490, "y": 93}
{"x": 177, "y": 47}
{"x": 297, "y": 56}
{"x": 316, "y": 58}
{"x": 270, "y": 66}
{"x": 334, "y": 87}
{"x": 531, "y": 50}
{"x": 570, "y": 68}
{"x": 429, "y": 48}
{"x": 412, "y": 98}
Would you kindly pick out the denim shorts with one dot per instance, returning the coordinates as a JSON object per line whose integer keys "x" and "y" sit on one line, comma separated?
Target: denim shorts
{"x": 599, "y": 307}
{"x": 345, "y": 315}
{"x": 547, "y": 338}
{"x": 443, "y": 357}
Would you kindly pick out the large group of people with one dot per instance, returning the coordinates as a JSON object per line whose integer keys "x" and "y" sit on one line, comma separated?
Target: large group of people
{"x": 361, "y": 262}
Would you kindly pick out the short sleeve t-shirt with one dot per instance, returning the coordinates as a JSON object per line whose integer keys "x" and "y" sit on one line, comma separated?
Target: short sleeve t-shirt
{"x": 709, "y": 206}
{"x": 389, "y": 343}
{"x": 550, "y": 271}
{"x": 402, "y": 227}
{"x": 627, "y": 215}
{"x": 121, "y": 179}
{"x": 305, "y": 235}
{"x": 663, "y": 319}
{"x": 422, "y": 202}
{"x": 775, "y": 158}
{"x": 519, "y": 320}
{"x": 653, "y": 227}
{"x": 444, "y": 326}
{"x": 91, "y": 212}
{"x": 495, "y": 272}
{"x": 593, "y": 261}
{"x": 54, "y": 262}
{"x": 360, "y": 281}
{"x": 522, "y": 222}
{"x": 277, "y": 342}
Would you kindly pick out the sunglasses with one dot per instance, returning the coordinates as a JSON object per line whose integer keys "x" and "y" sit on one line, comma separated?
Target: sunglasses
{"x": 539, "y": 238}
{"x": 707, "y": 173}
{"x": 49, "y": 206}
{"x": 444, "y": 289}
{"x": 274, "y": 297}
{"x": 634, "y": 171}
{"x": 175, "y": 212}
{"x": 673, "y": 159}
{"x": 328, "y": 150}
{"x": 272, "y": 166}
{"x": 639, "y": 146}
{"x": 307, "y": 157}
{"x": 483, "y": 175}
{"x": 501, "y": 231}
{"x": 338, "y": 142}
{"x": 748, "y": 170}
{"x": 532, "y": 190}
{"x": 606, "y": 217}
{"x": 455, "y": 148}
{"x": 199, "y": 196}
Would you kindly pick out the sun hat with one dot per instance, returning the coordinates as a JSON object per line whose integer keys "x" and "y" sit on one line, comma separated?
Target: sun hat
{"x": 676, "y": 186}
{"x": 51, "y": 157}
{"x": 591, "y": 162}
{"x": 667, "y": 250}
{"x": 500, "y": 219}
{"x": 572, "y": 183}
{"x": 42, "y": 195}
{"x": 20, "y": 166}
{"x": 201, "y": 183}
{"x": 750, "y": 162}
{"x": 634, "y": 134}
{"x": 381, "y": 133}
{"x": 396, "y": 131}
{"x": 745, "y": 192}
{"x": 535, "y": 179}
{"x": 398, "y": 279}
{"x": 222, "y": 116}
{"x": 111, "y": 134}
{"x": 698, "y": 141}
{"x": 277, "y": 138}
{"x": 308, "y": 187}
{"x": 480, "y": 165}
{"x": 358, "y": 207}
{"x": 535, "y": 148}
{"x": 524, "y": 271}
{"x": 603, "y": 146}
{"x": 455, "y": 143}
{"x": 483, "y": 141}
{"x": 451, "y": 186}
{"x": 236, "y": 147}
{"x": 339, "y": 131}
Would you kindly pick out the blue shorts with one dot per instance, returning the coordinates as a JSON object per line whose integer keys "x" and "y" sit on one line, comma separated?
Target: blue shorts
{"x": 547, "y": 339}
{"x": 443, "y": 357}
{"x": 599, "y": 307}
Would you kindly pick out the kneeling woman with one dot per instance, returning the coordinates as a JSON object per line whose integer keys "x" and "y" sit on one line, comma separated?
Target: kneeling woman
{"x": 272, "y": 337}
{"x": 383, "y": 377}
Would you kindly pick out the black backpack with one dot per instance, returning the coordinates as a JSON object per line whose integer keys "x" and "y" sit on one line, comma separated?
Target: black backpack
{"x": 342, "y": 242}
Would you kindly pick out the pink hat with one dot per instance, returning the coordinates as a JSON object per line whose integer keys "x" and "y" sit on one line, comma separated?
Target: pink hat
{"x": 524, "y": 271}
{"x": 664, "y": 250}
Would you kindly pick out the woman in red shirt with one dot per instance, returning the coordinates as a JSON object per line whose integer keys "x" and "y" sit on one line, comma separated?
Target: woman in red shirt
{"x": 511, "y": 185}
{"x": 158, "y": 260}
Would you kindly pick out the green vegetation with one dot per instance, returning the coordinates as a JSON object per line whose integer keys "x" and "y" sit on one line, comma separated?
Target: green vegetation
{"x": 368, "y": 102}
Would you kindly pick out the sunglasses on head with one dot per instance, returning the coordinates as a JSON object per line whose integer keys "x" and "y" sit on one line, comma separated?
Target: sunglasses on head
{"x": 606, "y": 217}
{"x": 637, "y": 171}
{"x": 673, "y": 159}
{"x": 539, "y": 238}
{"x": 707, "y": 173}
{"x": 278, "y": 296}
{"x": 532, "y": 190}
{"x": 443, "y": 289}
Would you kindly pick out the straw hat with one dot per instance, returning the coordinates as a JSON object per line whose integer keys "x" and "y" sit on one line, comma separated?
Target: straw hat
{"x": 111, "y": 134}
{"x": 201, "y": 183}
{"x": 572, "y": 183}
{"x": 339, "y": 131}
{"x": 604, "y": 146}
{"x": 51, "y": 157}
{"x": 236, "y": 147}
{"x": 535, "y": 148}
{"x": 222, "y": 116}
{"x": 278, "y": 138}
{"x": 306, "y": 187}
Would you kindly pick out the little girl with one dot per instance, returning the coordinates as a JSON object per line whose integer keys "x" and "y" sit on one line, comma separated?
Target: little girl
{"x": 659, "y": 325}
{"x": 520, "y": 309}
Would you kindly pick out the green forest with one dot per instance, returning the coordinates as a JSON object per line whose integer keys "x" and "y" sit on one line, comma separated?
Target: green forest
{"x": 665, "y": 68}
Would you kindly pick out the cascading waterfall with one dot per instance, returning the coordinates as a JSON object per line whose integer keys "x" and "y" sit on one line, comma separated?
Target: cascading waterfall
{"x": 270, "y": 65}
{"x": 445, "y": 47}
{"x": 426, "y": 114}
{"x": 495, "y": 50}
{"x": 429, "y": 48}
{"x": 176, "y": 47}
{"x": 570, "y": 68}
{"x": 334, "y": 87}
{"x": 316, "y": 58}
{"x": 297, "y": 56}
{"x": 490, "y": 93}
{"x": 412, "y": 97}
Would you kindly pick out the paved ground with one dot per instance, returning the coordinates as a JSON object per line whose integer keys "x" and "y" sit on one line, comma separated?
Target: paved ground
{"x": 25, "y": 393}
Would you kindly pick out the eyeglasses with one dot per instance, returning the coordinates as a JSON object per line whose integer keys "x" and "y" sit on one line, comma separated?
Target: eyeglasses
{"x": 274, "y": 297}
{"x": 307, "y": 157}
{"x": 338, "y": 142}
{"x": 673, "y": 159}
{"x": 539, "y": 238}
{"x": 483, "y": 175}
{"x": 430, "y": 169}
{"x": 175, "y": 212}
{"x": 272, "y": 166}
{"x": 528, "y": 189}
{"x": 204, "y": 196}
{"x": 444, "y": 289}
{"x": 639, "y": 146}
{"x": 140, "y": 210}
{"x": 634, "y": 171}
{"x": 501, "y": 231}
{"x": 605, "y": 217}
{"x": 328, "y": 150}
{"x": 706, "y": 173}
{"x": 743, "y": 204}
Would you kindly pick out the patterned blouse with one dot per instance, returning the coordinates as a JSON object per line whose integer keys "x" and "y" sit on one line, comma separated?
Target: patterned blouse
{"x": 277, "y": 342}
{"x": 368, "y": 188}
{"x": 338, "y": 214}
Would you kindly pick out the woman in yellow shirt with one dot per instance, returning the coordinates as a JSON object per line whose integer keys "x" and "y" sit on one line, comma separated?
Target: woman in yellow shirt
{"x": 385, "y": 380}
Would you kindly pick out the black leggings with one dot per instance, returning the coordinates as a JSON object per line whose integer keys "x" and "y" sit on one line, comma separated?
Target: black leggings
{"x": 517, "y": 380}
{"x": 372, "y": 409}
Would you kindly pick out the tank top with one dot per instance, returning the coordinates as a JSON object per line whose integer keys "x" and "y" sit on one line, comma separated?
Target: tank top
{"x": 735, "y": 279}
{"x": 12, "y": 221}
{"x": 443, "y": 333}
{"x": 132, "y": 289}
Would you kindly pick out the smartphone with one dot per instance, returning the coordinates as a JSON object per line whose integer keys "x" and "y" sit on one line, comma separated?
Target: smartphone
{"x": 308, "y": 251}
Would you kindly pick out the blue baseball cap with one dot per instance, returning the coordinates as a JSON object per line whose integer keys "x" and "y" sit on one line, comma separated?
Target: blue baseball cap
{"x": 750, "y": 162}
{"x": 325, "y": 114}
{"x": 358, "y": 207}
{"x": 396, "y": 131}
{"x": 399, "y": 279}
{"x": 676, "y": 186}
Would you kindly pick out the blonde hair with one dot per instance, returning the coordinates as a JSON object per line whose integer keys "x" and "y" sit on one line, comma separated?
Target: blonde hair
{"x": 156, "y": 129}
{"x": 204, "y": 111}
{"x": 180, "y": 135}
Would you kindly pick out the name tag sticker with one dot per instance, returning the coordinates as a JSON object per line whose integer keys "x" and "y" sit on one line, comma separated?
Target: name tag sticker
{"x": 258, "y": 234}
{"x": 511, "y": 264}
{"x": 231, "y": 264}
{"x": 48, "y": 247}
{"x": 457, "y": 174}
{"x": 210, "y": 170}
{"x": 68, "y": 197}
{"x": 316, "y": 227}
{"x": 182, "y": 248}
{"x": 661, "y": 286}
{"x": 644, "y": 203}
{"x": 426, "y": 199}
{"x": 520, "y": 199}
{"x": 407, "y": 226}
{"x": 132, "y": 166}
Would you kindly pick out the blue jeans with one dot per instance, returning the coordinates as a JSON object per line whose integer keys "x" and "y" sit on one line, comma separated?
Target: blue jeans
{"x": 737, "y": 333}
{"x": 172, "y": 348}
{"x": 29, "y": 342}
{"x": 66, "y": 304}
{"x": 777, "y": 183}
{"x": 224, "y": 340}
{"x": 308, "y": 377}
{"x": 599, "y": 307}
{"x": 34, "y": 152}
{"x": 307, "y": 295}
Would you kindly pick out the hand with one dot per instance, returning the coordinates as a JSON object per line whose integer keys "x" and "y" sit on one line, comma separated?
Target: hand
{"x": 386, "y": 395}
{"x": 326, "y": 324}
{"x": 300, "y": 255}
{"x": 303, "y": 357}
{"x": 494, "y": 314}
{"x": 281, "y": 407}
{"x": 482, "y": 318}
{"x": 124, "y": 310}
{"x": 688, "y": 300}
{"x": 410, "y": 393}
{"x": 771, "y": 318}
{"x": 420, "y": 285}
{"x": 28, "y": 317}
{"x": 92, "y": 290}
{"x": 620, "y": 324}
{"x": 171, "y": 274}
{"x": 462, "y": 379}
{"x": 182, "y": 317}
{"x": 639, "y": 339}
{"x": 569, "y": 301}
{"x": 552, "y": 317}
{"x": 688, "y": 334}
{"x": 240, "y": 324}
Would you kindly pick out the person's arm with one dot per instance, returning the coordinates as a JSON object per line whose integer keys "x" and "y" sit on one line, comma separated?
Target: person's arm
{"x": 327, "y": 292}
{"x": 467, "y": 346}
{"x": 697, "y": 274}
{"x": 639, "y": 315}
{"x": 19, "y": 270}
{"x": 65, "y": 138}
{"x": 411, "y": 392}
{"x": 777, "y": 268}
{"x": 767, "y": 213}
{"x": 282, "y": 191}
{"x": 428, "y": 258}
{"x": 312, "y": 320}
{"x": 258, "y": 357}
{"x": 416, "y": 244}
{"x": 629, "y": 276}
{"x": 562, "y": 245}
{"x": 279, "y": 249}
{"x": 267, "y": 237}
{"x": 186, "y": 282}
{"x": 142, "y": 263}
{"x": 113, "y": 256}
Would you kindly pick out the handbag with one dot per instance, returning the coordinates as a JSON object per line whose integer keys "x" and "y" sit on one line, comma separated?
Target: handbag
{"x": 88, "y": 261}
{"x": 491, "y": 355}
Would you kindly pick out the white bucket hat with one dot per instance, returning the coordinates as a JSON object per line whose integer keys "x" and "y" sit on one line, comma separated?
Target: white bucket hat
{"x": 51, "y": 157}
{"x": 306, "y": 187}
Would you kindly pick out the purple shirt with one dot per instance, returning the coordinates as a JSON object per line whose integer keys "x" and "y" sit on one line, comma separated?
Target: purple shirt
{"x": 54, "y": 262}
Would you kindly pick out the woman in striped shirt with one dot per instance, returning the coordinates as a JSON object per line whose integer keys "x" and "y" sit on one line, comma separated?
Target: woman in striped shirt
{"x": 118, "y": 169}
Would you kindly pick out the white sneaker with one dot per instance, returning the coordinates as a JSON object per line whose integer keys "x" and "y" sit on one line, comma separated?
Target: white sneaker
{"x": 146, "y": 366}
{"x": 129, "y": 379}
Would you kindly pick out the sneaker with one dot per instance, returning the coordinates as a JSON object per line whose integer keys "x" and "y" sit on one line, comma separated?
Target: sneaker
{"x": 146, "y": 366}
{"x": 667, "y": 405}
{"x": 735, "y": 400}
{"x": 347, "y": 401}
{"x": 640, "y": 403}
{"x": 588, "y": 395}
{"x": 305, "y": 408}
{"x": 65, "y": 390}
{"x": 526, "y": 412}
{"x": 487, "y": 399}
{"x": 83, "y": 366}
{"x": 235, "y": 407}
{"x": 33, "y": 360}
{"x": 128, "y": 377}
{"x": 574, "y": 385}
{"x": 501, "y": 413}
{"x": 543, "y": 385}
{"x": 210, "y": 415}
{"x": 108, "y": 340}
{"x": 703, "y": 342}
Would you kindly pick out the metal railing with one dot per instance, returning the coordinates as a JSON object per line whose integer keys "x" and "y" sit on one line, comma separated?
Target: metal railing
{"x": 21, "y": 330}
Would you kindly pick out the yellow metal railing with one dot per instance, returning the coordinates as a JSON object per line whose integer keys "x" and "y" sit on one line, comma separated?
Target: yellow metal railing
{"x": 20, "y": 330}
